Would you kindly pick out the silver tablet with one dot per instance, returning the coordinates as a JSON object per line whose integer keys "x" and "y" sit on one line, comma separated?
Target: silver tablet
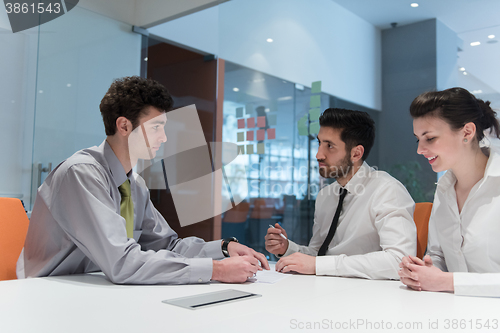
{"x": 215, "y": 298}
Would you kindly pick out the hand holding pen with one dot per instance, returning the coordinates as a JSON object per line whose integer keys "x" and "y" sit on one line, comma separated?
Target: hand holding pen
{"x": 271, "y": 226}
{"x": 276, "y": 240}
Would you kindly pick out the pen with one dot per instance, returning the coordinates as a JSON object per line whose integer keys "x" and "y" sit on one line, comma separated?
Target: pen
{"x": 280, "y": 233}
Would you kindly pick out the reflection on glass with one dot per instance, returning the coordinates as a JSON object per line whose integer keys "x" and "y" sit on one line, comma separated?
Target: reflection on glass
{"x": 278, "y": 165}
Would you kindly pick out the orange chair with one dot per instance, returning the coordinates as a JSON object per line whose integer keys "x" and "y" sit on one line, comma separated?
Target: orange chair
{"x": 421, "y": 217}
{"x": 13, "y": 228}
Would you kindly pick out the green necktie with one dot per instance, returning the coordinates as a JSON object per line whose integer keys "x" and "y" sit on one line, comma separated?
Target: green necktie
{"x": 127, "y": 207}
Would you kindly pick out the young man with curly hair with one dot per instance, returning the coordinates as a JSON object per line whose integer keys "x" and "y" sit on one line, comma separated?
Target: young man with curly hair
{"x": 89, "y": 207}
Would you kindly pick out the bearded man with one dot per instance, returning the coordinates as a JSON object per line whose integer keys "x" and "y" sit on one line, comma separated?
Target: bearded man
{"x": 363, "y": 222}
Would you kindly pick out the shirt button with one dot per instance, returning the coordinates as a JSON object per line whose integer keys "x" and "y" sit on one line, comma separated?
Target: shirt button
{"x": 200, "y": 280}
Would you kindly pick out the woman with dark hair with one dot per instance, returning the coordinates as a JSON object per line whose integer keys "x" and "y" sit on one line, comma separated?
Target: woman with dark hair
{"x": 463, "y": 250}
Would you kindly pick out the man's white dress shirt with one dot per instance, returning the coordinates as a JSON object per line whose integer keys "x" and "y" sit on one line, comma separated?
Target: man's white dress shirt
{"x": 374, "y": 232}
{"x": 468, "y": 243}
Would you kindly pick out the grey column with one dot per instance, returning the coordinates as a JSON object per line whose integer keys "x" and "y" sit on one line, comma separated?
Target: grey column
{"x": 415, "y": 58}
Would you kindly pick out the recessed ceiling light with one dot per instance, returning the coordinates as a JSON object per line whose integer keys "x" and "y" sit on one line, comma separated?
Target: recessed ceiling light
{"x": 236, "y": 89}
{"x": 491, "y": 36}
{"x": 462, "y": 69}
{"x": 479, "y": 91}
{"x": 269, "y": 40}
{"x": 475, "y": 43}
{"x": 40, "y": 91}
{"x": 464, "y": 73}
{"x": 68, "y": 85}
{"x": 414, "y": 5}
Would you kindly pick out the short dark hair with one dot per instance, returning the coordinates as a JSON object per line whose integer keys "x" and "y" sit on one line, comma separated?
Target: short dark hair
{"x": 358, "y": 128}
{"x": 457, "y": 107}
{"x": 129, "y": 97}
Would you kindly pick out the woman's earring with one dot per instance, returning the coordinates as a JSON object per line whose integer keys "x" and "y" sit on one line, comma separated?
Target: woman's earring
{"x": 465, "y": 140}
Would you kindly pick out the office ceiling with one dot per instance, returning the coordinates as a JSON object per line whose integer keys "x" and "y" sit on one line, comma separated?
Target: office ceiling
{"x": 472, "y": 20}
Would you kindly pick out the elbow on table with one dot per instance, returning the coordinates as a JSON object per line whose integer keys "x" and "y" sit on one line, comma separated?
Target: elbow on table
{"x": 118, "y": 278}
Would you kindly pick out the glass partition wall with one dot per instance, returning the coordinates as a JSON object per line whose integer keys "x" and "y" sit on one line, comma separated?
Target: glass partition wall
{"x": 76, "y": 64}
{"x": 53, "y": 79}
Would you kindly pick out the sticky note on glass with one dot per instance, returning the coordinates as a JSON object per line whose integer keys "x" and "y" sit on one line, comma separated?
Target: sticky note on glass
{"x": 250, "y": 149}
{"x": 261, "y": 121}
{"x": 248, "y": 109}
{"x": 241, "y": 123}
{"x": 302, "y": 125}
{"x": 251, "y": 122}
{"x": 271, "y": 133}
{"x": 314, "y": 114}
{"x": 261, "y": 148}
{"x": 271, "y": 120}
{"x": 250, "y": 136}
{"x": 261, "y": 135}
{"x": 241, "y": 149}
{"x": 241, "y": 136}
{"x": 316, "y": 87}
{"x": 314, "y": 128}
{"x": 315, "y": 101}
{"x": 239, "y": 112}
{"x": 303, "y": 130}
{"x": 303, "y": 121}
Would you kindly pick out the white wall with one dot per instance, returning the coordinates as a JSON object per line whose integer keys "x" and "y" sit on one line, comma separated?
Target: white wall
{"x": 446, "y": 57}
{"x": 199, "y": 30}
{"x": 313, "y": 41}
{"x": 153, "y": 12}
{"x": 146, "y": 13}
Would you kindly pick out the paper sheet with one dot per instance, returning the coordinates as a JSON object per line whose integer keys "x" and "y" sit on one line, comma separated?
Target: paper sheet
{"x": 270, "y": 276}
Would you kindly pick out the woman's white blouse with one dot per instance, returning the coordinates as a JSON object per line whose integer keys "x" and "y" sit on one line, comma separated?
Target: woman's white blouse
{"x": 468, "y": 243}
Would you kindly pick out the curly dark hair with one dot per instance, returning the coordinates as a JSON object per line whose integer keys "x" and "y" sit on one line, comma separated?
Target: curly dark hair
{"x": 129, "y": 97}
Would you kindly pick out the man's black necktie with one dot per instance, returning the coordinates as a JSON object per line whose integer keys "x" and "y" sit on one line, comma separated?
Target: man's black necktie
{"x": 335, "y": 222}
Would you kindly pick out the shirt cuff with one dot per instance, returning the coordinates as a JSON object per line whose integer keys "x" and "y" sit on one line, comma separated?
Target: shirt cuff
{"x": 326, "y": 265}
{"x": 476, "y": 284}
{"x": 213, "y": 249}
{"x": 201, "y": 270}
{"x": 292, "y": 248}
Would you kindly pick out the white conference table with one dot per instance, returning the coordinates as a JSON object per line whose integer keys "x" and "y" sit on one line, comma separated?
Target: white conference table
{"x": 90, "y": 303}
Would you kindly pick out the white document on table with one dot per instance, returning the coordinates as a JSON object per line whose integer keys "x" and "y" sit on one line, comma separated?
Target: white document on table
{"x": 270, "y": 276}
